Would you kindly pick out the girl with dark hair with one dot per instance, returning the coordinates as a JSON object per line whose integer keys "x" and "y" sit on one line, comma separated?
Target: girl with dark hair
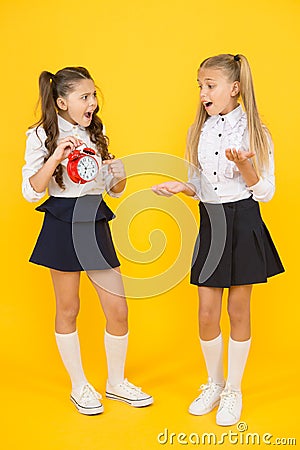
{"x": 75, "y": 235}
{"x": 232, "y": 169}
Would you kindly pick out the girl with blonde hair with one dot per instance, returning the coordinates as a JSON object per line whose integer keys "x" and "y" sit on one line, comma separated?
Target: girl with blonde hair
{"x": 231, "y": 170}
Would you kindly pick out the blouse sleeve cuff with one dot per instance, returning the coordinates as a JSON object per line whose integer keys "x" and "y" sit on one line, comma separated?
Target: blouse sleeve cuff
{"x": 192, "y": 186}
{"x": 258, "y": 187}
{"x": 262, "y": 190}
{"x": 29, "y": 193}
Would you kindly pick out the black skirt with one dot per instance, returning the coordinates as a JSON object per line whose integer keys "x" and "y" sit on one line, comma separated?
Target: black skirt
{"x": 234, "y": 246}
{"x": 75, "y": 235}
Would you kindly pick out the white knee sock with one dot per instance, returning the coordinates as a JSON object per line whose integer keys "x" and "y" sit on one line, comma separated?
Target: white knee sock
{"x": 237, "y": 358}
{"x": 69, "y": 349}
{"x": 213, "y": 355}
{"x": 116, "y": 349}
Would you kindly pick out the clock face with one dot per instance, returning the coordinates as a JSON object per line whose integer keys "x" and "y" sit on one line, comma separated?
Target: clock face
{"x": 87, "y": 168}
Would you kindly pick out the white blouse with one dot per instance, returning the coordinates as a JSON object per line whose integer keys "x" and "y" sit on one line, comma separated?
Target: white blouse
{"x": 218, "y": 180}
{"x": 34, "y": 157}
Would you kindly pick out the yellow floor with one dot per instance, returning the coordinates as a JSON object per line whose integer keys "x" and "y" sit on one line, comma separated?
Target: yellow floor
{"x": 36, "y": 412}
{"x": 40, "y": 416}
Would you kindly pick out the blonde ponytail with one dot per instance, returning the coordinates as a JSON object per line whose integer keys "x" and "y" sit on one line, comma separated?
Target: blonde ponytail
{"x": 258, "y": 141}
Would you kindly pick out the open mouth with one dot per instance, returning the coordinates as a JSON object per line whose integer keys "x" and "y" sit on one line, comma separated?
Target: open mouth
{"x": 88, "y": 115}
{"x": 207, "y": 104}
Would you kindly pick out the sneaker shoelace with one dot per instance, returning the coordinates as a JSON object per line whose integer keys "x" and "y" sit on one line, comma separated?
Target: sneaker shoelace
{"x": 208, "y": 390}
{"x": 131, "y": 388}
{"x": 87, "y": 394}
{"x": 228, "y": 399}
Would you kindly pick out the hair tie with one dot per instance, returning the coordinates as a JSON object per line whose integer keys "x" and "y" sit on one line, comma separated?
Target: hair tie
{"x": 237, "y": 58}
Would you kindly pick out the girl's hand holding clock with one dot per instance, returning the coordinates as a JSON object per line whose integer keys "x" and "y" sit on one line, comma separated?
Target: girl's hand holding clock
{"x": 65, "y": 147}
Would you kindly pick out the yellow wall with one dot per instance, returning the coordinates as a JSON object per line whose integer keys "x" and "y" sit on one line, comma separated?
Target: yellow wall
{"x": 144, "y": 55}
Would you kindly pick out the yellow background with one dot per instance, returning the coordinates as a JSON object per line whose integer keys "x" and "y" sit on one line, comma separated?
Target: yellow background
{"x": 143, "y": 55}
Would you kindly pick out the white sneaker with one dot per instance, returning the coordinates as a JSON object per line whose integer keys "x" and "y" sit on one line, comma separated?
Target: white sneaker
{"x": 230, "y": 408}
{"x": 128, "y": 393}
{"x": 87, "y": 401}
{"x": 208, "y": 399}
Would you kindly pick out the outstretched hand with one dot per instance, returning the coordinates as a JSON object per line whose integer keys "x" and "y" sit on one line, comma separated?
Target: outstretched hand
{"x": 238, "y": 156}
{"x": 169, "y": 188}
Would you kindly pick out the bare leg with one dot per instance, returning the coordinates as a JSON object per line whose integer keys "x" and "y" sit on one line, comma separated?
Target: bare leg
{"x": 239, "y": 341}
{"x": 239, "y": 312}
{"x": 210, "y": 302}
{"x": 66, "y": 288}
{"x": 109, "y": 287}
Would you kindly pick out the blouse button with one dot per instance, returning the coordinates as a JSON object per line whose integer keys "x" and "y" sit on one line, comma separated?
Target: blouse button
{"x": 216, "y": 153}
{"x": 215, "y": 188}
{"x": 215, "y": 173}
{"x": 222, "y": 119}
{"x": 220, "y": 135}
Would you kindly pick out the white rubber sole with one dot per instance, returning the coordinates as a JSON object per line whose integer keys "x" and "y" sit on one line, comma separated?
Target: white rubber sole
{"x": 92, "y": 411}
{"x": 135, "y": 403}
{"x": 228, "y": 422}
{"x": 205, "y": 411}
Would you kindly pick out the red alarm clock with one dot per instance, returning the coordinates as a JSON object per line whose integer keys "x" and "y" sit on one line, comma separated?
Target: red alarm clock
{"x": 82, "y": 167}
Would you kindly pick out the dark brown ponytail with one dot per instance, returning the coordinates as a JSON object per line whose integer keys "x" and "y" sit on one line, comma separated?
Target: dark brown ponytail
{"x": 60, "y": 85}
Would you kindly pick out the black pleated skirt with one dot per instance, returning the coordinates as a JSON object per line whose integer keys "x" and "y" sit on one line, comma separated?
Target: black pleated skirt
{"x": 234, "y": 246}
{"x": 75, "y": 235}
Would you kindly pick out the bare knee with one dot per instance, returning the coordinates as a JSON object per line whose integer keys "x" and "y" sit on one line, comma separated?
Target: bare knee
{"x": 119, "y": 313}
{"x": 238, "y": 315}
{"x": 207, "y": 317}
{"x": 117, "y": 319}
{"x": 239, "y": 305}
{"x": 67, "y": 311}
{"x": 209, "y": 311}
